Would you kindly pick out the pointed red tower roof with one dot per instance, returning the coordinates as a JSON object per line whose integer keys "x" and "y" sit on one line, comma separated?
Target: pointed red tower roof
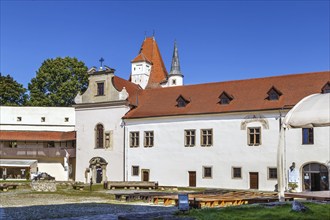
{"x": 140, "y": 58}
{"x": 150, "y": 53}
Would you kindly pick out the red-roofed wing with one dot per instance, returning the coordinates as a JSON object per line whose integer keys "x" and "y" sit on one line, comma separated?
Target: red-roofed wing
{"x": 249, "y": 95}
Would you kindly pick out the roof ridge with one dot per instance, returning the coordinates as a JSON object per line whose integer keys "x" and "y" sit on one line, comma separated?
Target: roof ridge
{"x": 249, "y": 79}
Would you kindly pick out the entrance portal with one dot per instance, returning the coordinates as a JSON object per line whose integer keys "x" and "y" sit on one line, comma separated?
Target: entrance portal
{"x": 98, "y": 167}
{"x": 315, "y": 177}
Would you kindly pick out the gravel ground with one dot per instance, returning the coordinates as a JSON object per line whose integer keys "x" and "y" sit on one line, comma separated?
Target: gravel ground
{"x": 24, "y": 204}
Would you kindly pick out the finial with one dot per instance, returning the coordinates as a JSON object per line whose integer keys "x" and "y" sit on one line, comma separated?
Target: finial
{"x": 101, "y": 61}
{"x": 145, "y": 34}
{"x": 153, "y": 34}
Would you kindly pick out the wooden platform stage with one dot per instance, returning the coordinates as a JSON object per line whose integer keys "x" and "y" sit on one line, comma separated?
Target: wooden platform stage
{"x": 203, "y": 199}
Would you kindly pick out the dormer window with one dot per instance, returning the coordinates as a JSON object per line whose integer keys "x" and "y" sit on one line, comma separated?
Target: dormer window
{"x": 181, "y": 102}
{"x": 273, "y": 94}
{"x": 225, "y": 99}
{"x": 326, "y": 88}
{"x": 100, "y": 88}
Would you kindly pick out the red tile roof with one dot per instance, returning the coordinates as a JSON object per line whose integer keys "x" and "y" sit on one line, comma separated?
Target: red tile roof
{"x": 140, "y": 58}
{"x": 37, "y": 136}
{"x": 150, "y": 51}
{"x": 130, "y": 87}
{"x": 248, "y": 95}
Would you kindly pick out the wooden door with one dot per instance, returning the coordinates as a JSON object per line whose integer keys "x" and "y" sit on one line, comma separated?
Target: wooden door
{"x": 192, "y": 178}
{"x": 254, "y": 180}
{"x": 315, "y": 182}
{"x": 99, "y": 175}
{"x": 145, "y": 175}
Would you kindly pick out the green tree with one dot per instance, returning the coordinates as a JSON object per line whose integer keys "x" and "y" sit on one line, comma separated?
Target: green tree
{"x": 57, "y": 82}
{"x": 11, "y": 92}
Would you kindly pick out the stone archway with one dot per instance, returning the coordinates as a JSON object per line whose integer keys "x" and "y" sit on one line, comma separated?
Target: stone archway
{"x": 315, "y": 177}
{"x": 98, "y": 167}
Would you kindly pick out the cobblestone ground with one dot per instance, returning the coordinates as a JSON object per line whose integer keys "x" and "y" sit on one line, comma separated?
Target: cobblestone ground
{"x": 24, "y": 204}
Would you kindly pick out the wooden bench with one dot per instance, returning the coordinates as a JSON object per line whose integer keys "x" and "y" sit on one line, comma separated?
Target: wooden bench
{"x": 132, "y": 185}
{"x": 78, "y": 187}
{"x": 5, "y": 187}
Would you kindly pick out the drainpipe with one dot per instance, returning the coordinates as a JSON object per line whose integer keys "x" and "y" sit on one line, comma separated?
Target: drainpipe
{"x": 124, "y": 149}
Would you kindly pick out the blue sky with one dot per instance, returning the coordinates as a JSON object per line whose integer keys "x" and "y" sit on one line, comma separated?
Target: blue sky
{"x": 217, "y": 40}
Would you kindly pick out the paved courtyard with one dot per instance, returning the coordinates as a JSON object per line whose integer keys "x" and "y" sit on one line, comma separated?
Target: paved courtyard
{"x": 24, "y": 204}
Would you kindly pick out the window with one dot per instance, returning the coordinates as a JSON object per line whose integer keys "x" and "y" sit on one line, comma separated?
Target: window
{"x": 307, "y": 136}
{"x": 134, "y": 139}
{"x": 135, "y": 170}
{"x": 108, "y": 141}
{"x": 100, "y": 88}
{"x": 51, "y": 144}
{"x": 207, "y": 172}
{"x": 237, "y": 172}
{"x": 254, "y": 136}
{"x": 181, "y": 102}
{"x": 66, "y": 119}
{"x": 326, "y": 88}
{"x": 43, "y": 119}
{"x": 189, "y": 138}
{"x": 272, "y": 173}
{"x": 173, "y": 82}
{"x": 99, "y": 136}
{"x": 19, "y": 118}
{"x": 148, "y": 139}
{"x": 12, "y": 144}
{"x": 225, "y": 99}
{"x": 273, "y": 94}
{"x": 206, "y": 137}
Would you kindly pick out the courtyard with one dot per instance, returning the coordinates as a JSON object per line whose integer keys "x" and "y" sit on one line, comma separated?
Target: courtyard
{"x": 68, "y": 203}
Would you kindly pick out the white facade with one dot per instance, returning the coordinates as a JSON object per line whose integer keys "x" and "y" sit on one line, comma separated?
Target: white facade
{"x": 31, "y": 120}
{"x": 174, "y": 80}
{"x": 37, "y": 118}
{"x": 87, "y": 120}
{"x": 100, "y": 137}
{"x": 141, "y": 73}
{"x": 169, "y": 161}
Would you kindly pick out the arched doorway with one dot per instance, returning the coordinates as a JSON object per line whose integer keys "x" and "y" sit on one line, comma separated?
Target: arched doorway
{"x": 315, "y": 177}
{"x": 98, "y": 167}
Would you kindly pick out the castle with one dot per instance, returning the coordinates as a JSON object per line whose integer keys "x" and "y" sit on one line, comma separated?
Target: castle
{"x": 152, "y": 127}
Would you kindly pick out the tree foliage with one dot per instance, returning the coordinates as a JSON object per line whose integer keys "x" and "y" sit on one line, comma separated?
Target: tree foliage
{"x": 57, "y": 82}
{"x": 12, "y": 93}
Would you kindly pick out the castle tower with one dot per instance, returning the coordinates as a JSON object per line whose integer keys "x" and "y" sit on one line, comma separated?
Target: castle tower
{"x": 148, "y": 69}
{"x": 175, "y": 77}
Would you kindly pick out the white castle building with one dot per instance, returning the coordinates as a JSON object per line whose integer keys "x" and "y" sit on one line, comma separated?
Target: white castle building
{"x": 152, "y": 127}
{"x": 37, "y": 139}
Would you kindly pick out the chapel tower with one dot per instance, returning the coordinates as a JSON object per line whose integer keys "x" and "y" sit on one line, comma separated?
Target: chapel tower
{"x": 175, "y": 77}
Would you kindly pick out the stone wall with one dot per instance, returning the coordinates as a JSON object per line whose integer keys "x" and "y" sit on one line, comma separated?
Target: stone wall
{"x": 43, "y": 186}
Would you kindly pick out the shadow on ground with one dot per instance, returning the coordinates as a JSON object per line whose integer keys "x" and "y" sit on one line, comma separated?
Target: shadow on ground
{"x": 89, "y": 211}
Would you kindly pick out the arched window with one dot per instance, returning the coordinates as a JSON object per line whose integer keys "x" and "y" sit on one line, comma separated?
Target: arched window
{"x": 99, "y": 136}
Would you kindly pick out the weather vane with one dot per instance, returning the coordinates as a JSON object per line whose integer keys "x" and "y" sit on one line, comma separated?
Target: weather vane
{"x": 101, "y": 61}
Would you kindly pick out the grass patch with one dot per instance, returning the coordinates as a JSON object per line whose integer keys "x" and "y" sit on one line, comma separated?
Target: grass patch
{"x": 283, "y": 212}
{"x": 15, "y": 181}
